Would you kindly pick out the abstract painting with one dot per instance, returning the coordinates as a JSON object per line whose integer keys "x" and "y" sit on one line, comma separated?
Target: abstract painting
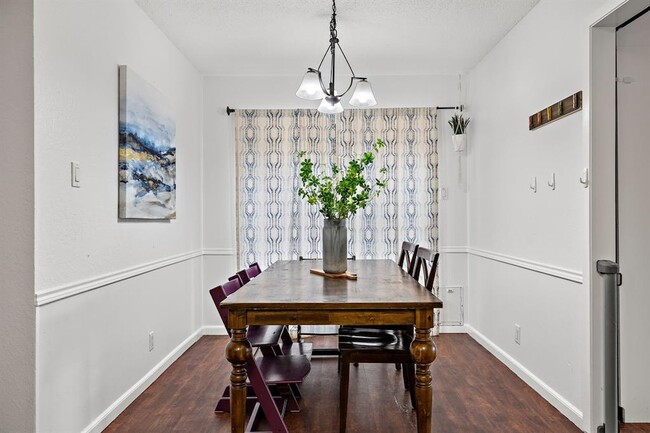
{"x": 147, "y": 155}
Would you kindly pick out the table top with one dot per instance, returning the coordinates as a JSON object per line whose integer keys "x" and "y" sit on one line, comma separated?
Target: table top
{"x": 380, "y": 284}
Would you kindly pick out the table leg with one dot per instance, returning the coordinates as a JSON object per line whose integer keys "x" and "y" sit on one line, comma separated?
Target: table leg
{"x": 238, "y": 351}
{"x": 423, "y": 352}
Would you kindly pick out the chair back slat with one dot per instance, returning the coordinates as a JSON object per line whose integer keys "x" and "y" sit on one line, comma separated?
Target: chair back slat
{"x": 220, "y": 293}
{"x": 253, "y": 270}
{"x": 427, "y": 265}
{"x": 243, "y": 277}
{"x": 231, "y": 286}
{"x": 218, "y": 297}
{"x": 409, "y": 250}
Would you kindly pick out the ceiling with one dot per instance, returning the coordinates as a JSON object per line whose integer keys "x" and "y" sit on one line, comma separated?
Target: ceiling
{"x": 379, "y": 37}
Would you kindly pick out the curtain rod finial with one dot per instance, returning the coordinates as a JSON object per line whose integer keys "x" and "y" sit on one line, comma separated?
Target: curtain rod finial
{"x": 229, "y": 110}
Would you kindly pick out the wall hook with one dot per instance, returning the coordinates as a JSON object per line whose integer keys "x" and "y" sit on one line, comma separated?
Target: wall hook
{"x": 551, "y": 182}
{"x": 584, "y": 179}
{"x": 533, "y": 185}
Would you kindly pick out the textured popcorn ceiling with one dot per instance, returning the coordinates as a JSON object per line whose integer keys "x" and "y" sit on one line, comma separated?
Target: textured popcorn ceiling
{"x": 380, "y": 37}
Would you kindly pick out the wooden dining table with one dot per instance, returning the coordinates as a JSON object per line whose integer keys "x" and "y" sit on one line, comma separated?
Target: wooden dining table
{"x": 287, "y": 293}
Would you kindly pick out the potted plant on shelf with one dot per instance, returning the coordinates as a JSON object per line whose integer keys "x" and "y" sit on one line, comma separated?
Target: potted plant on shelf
{"x": 458, "y": 125}
{"x": 339, "y": 192}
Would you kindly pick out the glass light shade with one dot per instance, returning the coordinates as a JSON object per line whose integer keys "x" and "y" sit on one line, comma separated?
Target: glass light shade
{"x": 363, "y": 96}
{"x": 331, "y": 105}
{"x": 310, "y": 87}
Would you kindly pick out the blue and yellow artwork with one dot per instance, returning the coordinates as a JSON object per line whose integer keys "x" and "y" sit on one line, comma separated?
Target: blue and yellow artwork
{"x": 147, "y": 155}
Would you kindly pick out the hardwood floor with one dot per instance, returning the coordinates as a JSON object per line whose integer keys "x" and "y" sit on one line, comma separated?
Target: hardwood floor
{"x": 473, "y": 393}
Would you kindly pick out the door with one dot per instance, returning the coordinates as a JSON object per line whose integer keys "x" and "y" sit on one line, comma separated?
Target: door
{"x": 633, "y": 237}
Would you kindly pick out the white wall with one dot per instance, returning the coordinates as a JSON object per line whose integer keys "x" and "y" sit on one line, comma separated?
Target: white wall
{"x": 634, "y": 207}
{"x": 529, "y": 252}
{"x": 102, "y": 284}
{"x": 279, "y": 92}
{"x": 17, "y": 312}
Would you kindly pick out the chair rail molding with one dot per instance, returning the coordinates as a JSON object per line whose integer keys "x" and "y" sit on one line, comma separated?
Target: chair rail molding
{"x": 54, "y": 294}
{"x": 47, "y": 296}
{"x": 453, "y": 249}
{"x": 218, "y": 252}
{"x": 520, "y": 262}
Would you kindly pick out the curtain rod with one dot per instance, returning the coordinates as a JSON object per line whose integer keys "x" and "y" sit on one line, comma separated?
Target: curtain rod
{"x": 229, "y": 110}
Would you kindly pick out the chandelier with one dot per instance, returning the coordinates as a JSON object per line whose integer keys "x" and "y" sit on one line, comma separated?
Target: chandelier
{"x": 312, "y": 87}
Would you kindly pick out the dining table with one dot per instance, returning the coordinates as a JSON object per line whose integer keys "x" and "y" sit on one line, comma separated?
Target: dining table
{"x": 288, "y": 293}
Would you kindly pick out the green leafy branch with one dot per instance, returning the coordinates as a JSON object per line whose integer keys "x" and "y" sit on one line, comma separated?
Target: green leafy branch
{"x": 345, "y": 190}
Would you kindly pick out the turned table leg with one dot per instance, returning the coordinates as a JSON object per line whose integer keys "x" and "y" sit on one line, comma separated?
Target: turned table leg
{"x": 238, "y": 351}
{"x": 423, "y": 352}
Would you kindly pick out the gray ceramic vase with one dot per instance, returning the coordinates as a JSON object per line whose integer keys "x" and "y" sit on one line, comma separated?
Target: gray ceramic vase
{"x": 335, "y": 246}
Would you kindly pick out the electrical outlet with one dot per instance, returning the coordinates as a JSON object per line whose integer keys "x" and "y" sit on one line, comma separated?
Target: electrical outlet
{"x": 517, "y": 334}
{"x": 150, "y": 341}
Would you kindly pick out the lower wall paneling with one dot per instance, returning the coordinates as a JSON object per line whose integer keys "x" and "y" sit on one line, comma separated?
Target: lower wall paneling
{"x": 552, "y": 356}
{"x": 93, "y": 352}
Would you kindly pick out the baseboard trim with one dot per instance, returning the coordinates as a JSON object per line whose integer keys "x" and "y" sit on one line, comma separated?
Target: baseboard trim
{"x": 112, "y": 412}
{"x": 549, "y": 394}
{"x": 215, "y": 330}
{"x": 453, "y": 329}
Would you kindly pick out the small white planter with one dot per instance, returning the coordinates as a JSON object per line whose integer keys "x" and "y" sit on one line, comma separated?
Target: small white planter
{"x": 459, "y": 141}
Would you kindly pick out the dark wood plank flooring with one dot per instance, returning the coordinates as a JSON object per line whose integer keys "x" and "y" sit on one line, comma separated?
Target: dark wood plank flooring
{"x": 473, "y": 393}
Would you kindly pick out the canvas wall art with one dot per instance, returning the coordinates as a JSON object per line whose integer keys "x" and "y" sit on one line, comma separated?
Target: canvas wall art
{"x": 147, "y": 155}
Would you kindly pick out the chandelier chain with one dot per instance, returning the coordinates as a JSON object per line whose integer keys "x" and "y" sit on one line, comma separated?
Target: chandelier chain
{"x": 333, "y": 32}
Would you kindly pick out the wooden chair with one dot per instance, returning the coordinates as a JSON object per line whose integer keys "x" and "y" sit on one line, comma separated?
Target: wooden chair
{"x": 275, "y": 367}
{"x": 286, "y": 344}
{"x": 245, "y": 275}
{"x": 407, "y": 255}
{"x": 381, "y": 345}
{"x": 425, "y": 272}
{"x": 266, "y": 337}
{"x": 426, "y": 265}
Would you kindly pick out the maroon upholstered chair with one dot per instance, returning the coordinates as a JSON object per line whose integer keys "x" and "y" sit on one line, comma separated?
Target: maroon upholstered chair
{"x": 266, "y": 337}
{"x": 282, "y": 372}
{"x": 245, "y": 275}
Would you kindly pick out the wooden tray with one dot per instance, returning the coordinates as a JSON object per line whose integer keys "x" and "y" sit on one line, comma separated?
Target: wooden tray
{"x": 346, "y": 275}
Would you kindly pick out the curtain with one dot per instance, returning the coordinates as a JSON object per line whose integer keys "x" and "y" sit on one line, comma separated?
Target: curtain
{"x": 274, "y": 223}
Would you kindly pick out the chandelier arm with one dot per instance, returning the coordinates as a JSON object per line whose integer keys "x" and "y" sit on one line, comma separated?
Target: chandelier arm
{"x": 346, "y": 60}
{"x": 323, "y": 59}
{"x": 322, "y": 86}
{"x": 349, "y": 87}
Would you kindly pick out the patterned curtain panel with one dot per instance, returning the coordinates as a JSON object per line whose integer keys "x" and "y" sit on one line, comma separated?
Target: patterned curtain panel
{"x": 274, "y": 223}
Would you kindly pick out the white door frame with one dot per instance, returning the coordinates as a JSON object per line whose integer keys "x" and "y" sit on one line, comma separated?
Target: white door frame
{"x": 601, "y": 133}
